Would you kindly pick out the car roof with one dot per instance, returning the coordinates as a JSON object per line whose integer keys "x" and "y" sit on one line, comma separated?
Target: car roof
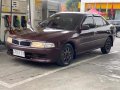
{"x": 82, "y": 13}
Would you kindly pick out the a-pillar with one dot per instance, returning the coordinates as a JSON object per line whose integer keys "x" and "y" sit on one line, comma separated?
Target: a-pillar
{"x": 32, "y": 12}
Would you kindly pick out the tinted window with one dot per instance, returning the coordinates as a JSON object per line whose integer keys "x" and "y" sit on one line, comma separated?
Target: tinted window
{"x": 65, "y": 21}
{"x": 88, "y": 20}
{"x": 98, "y": 21}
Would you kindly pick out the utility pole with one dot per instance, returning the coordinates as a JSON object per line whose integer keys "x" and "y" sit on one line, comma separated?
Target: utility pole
{"x": 0, "y": 12}
{"x": 0, "y": 17}
{"x": 29, "y": 11}
{"x": 11, "y": 16}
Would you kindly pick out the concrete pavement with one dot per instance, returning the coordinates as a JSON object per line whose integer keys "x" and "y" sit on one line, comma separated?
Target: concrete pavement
{"x": 90, "y": 71}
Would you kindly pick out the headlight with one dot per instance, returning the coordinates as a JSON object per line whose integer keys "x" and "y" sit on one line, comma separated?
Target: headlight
{"x": 9, "y": 40}
{"x": 42, "y": 45}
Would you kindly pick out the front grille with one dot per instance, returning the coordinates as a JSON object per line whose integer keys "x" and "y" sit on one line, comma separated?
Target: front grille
{"x": 21, "y": 42}
{"x": 36, "y": 56}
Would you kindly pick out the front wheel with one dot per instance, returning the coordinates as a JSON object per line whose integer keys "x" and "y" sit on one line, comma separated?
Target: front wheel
{"x": 66, "y": 56}
{"x": 107, "y": 47}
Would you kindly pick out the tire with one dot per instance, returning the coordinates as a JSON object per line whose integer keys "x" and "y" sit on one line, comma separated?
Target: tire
{"x": 66, "y": 55}
{"x": 107, "y": 47}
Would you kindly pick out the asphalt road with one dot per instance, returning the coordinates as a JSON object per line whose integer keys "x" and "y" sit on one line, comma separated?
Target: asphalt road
{"x": 90, "y": 71}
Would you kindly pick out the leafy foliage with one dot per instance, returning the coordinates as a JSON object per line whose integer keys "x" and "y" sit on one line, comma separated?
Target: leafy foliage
{"x": 72, "y": 5}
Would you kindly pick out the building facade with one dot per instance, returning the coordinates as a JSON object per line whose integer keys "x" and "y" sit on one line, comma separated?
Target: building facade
{"x": 110, "y": 7}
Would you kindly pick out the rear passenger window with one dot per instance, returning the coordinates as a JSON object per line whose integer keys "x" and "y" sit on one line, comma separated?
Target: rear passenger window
{"x": 98, "y": 21}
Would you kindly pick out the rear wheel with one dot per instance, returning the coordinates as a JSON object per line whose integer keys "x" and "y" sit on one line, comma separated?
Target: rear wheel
{"x": 66, "y": 56}
{"x": 107, "y": 47}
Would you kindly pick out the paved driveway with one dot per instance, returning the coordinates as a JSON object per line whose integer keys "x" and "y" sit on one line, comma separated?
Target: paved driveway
{"x": 90, "y": 71}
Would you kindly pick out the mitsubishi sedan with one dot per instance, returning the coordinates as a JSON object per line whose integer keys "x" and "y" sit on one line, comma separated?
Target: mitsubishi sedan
{"x": 63, "y": 36}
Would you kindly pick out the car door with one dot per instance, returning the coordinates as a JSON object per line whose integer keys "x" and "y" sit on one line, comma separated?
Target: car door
{"x": 101, "y": 31}
{"x": 86, "y": 37}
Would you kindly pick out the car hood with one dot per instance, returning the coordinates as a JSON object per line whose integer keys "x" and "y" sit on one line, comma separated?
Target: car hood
{"x": 48, "y": 34}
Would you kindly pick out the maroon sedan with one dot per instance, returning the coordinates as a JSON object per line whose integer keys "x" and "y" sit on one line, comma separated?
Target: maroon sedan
{"x": 62, "y": 37}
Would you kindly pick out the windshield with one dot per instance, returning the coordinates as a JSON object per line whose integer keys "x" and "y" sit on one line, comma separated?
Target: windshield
{"x": 64, "y": 21}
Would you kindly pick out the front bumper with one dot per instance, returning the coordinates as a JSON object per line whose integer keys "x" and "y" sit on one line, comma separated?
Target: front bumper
{"x": 35, "y": 54}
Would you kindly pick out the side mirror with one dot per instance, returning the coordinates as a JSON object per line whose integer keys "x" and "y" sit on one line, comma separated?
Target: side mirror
{"x": 85, "y": 27}
{"x": 91, "y": 25}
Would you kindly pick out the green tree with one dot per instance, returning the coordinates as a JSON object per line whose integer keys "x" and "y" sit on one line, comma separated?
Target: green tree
{"x": 72, "y": 5}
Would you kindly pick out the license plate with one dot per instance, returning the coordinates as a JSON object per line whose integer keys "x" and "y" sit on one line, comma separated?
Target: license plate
{"x": 18, "y": 53}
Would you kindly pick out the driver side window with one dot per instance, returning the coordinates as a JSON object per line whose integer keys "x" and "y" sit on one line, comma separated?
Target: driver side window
{"x": 89, "y": 21}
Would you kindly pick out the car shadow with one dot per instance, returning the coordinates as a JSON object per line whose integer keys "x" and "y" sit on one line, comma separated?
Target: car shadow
{"x": 87, "y": 55}
{"x": 2, "y": 48}
{"x": 118, "y": 34}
